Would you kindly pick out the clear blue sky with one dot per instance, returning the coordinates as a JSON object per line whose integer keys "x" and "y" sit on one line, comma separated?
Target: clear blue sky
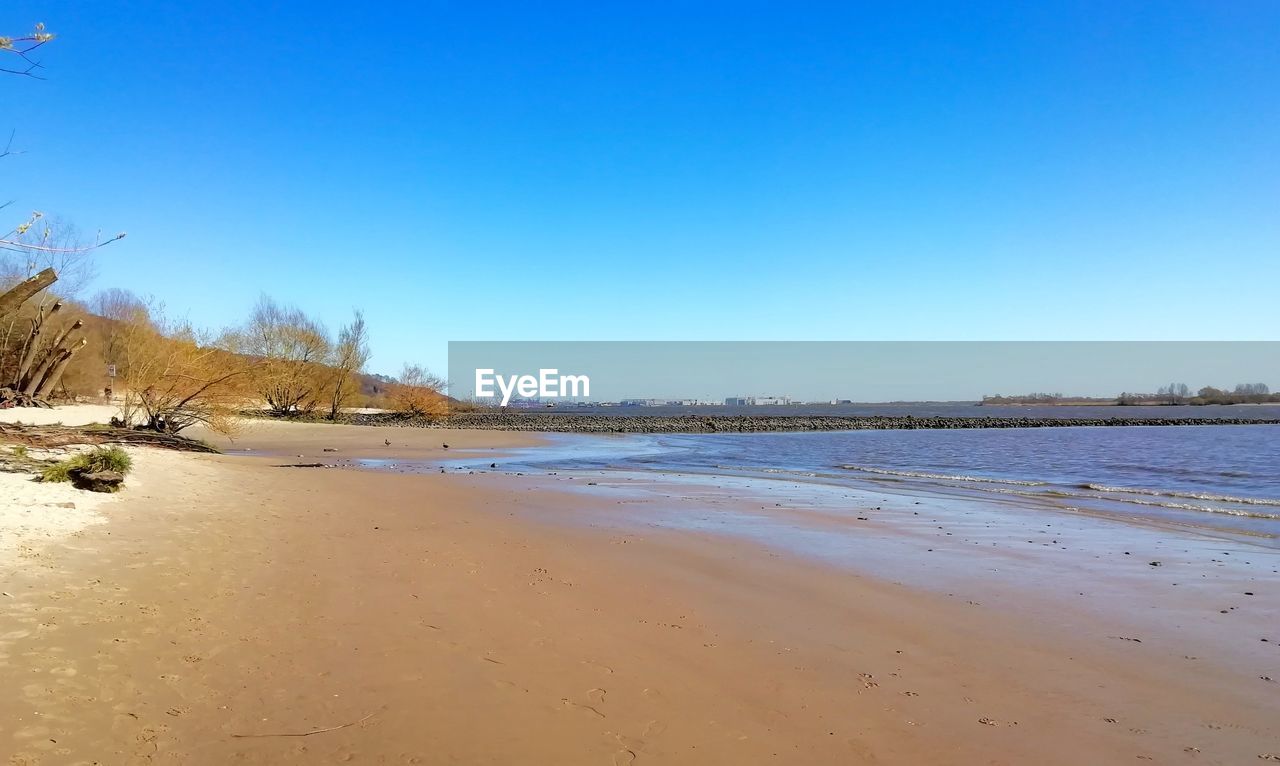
{"x": 725, "y": 170}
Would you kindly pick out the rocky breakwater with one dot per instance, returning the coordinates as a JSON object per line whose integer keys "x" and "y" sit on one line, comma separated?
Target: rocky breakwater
{"x": 570, "y": 423}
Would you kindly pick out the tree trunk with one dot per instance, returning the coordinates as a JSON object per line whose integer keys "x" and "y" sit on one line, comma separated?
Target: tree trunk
{"x": 34, "y": 383}
{"x": 55, "y": 374}
{"x": 19, "y": 293}
{"x": 338, "y": 388}
{"x": 62, "y": 336}
{"x": 28, "y": 354}
{"x": 31, "y": 349}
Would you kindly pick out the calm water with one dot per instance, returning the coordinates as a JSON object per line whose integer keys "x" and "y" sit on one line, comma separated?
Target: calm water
{"x": 951, "y": 409}
{"x": 1225, "y": 477}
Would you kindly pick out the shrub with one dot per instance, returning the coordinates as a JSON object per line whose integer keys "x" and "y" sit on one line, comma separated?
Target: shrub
{"x": 417, "y": 392}
{"x": 175, "y": 377}
{"x": 97, "y": 459}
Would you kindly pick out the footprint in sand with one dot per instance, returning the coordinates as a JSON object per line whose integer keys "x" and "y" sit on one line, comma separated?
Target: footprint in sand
{"x": 868, "y": 680}
{"x": 565, "y": 701}
{"x": 605, "y": 668}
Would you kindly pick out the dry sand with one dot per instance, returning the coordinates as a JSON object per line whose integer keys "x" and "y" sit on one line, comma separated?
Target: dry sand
{"x": 67, "y": 414}
{"x": 33, "y": 514}
{"x": 235, "y": 611}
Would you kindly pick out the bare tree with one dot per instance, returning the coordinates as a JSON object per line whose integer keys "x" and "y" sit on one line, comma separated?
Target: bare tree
{"x": 1175, "y": 393}
{"x": 118, "y": 308}
{"x": 418, "y": 392}
{"x": 29, "y": 339}
{"x": 349, "y": 358}
{"x": 175, "y": 377}
{"x": 293, "y": 351}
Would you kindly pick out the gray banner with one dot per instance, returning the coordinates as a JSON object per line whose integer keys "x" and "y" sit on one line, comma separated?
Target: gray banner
{"x": 770, "y": 372}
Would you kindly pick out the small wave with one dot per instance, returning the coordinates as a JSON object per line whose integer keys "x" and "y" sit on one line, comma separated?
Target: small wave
{"x": 942, "y": 476}
{"x": 1180, "y": 471}
{"x": 1206, "y": 509}
{"x": 1057, "y": 493}
{"x": 758, "y": 469}
{"x": 1186, "y": 495}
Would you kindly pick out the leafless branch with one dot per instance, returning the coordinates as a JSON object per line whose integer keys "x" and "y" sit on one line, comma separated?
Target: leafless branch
{"x": 20, "y": 247}
{"x": 22, "y": 47}
{"x": 8, "y": 150}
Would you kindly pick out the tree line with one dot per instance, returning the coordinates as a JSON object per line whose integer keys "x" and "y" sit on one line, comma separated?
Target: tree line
{"x": 279, "y": 360}
{"x": 1180, "y": 393}
{"x": 170, "y": 375}
{"x": 1173, "y": 393}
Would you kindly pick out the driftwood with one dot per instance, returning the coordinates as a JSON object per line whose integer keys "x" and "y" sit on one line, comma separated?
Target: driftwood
{"x": 11, "y": 398}
{"x": 62, "y": 436}
{"x": 310, "y": 732}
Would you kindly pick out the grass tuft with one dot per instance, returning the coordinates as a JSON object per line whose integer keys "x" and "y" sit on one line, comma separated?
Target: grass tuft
{"x": 97, "y": 459}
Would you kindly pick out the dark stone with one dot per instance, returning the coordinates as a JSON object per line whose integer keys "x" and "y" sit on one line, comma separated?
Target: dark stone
{"x": 96, "y": 481}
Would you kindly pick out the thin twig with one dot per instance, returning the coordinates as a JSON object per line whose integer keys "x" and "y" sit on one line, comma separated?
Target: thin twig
{"x": 313, "y": 731}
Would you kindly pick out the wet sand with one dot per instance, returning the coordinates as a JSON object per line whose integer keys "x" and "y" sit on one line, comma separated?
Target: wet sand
{"x": 234, "y": 611}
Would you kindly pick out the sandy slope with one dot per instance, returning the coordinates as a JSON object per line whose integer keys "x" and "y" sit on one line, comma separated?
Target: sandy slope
{"x": 488, "y": 619}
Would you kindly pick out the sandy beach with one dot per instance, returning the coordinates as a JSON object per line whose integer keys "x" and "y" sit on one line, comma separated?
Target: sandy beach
{"x": 230, "y": 609}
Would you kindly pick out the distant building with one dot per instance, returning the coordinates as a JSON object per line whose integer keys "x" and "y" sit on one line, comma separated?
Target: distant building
{"x": 756, "y": 401}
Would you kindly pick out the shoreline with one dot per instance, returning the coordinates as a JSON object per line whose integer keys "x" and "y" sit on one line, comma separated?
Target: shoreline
{"x": 230, "y": 604}
{"x": 703, "y": 424}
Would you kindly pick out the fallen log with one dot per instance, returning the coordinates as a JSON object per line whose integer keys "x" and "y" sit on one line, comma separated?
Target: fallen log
{"x": 63, "y": 436}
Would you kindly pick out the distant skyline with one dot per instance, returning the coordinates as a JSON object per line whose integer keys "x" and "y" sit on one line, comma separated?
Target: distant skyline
{"x": 723, "y": 171}
{"x": 866, "y": 371}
